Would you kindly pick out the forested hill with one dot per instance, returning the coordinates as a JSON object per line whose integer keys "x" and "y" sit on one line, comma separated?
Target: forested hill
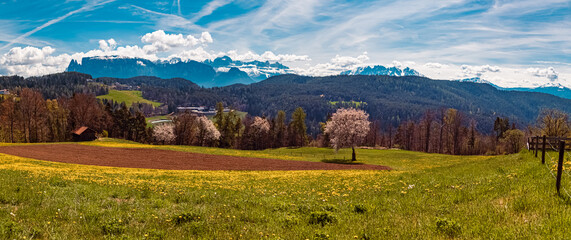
{"x": 393, "y": 99}
{"x": 388, "y": 99}
{"x": 54, "y": 86}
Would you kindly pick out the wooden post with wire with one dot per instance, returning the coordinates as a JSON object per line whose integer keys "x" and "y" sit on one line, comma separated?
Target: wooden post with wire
{"x": 535, "y": 146}
{"x": 543, "y": 150}
{"x": 560, "y": 165}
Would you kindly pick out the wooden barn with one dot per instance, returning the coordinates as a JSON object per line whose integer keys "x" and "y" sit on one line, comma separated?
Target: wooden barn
{"x": 84, "y": 134}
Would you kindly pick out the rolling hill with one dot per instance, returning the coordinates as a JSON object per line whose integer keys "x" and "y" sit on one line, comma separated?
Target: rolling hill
{"x": 393, "y": 99}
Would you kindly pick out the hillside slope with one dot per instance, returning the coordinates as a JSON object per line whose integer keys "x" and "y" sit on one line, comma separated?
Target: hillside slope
{"x": 393, "y": 99}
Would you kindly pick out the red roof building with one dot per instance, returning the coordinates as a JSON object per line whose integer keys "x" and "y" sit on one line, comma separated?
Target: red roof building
{"x": 84, "y": 134}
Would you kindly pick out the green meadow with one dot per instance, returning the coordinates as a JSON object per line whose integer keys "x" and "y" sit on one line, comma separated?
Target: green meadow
{"x": 425, "y": 196}
{"x": 128, "y": 97}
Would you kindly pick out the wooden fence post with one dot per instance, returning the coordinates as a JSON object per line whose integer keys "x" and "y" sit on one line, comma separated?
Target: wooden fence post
{"x": 560, "y": 165}
{"x": 543, "y": 151}
{"x": 535, "y": 146}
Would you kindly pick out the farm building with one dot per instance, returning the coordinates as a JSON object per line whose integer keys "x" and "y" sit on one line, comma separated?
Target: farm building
{"x": 84, "y": 134}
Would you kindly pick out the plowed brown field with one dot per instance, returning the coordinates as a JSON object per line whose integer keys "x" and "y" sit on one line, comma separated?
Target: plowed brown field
{"x": 165, "y": 159}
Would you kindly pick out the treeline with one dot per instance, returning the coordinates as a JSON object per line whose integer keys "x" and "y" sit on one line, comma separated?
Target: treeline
{"x": 228, "y": 130}
{"x": 30, "y": 118}
{"x": 54, "y": 86}
{"x": 450, "y": 131}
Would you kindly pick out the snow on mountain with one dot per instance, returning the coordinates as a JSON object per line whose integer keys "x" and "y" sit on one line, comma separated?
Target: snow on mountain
{"x": 257, "y": 70}
{"x": 381, "y": 70}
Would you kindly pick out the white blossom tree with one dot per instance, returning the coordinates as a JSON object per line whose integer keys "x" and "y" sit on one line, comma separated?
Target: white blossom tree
{"x": 348, "y": 128}
{"x": 164, "y": 133}
{"x": 261, "y": 125}
{"x": 207, "y": 132}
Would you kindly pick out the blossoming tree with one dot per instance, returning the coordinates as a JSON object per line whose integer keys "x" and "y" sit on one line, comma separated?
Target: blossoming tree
{"x": 164, "y": 133}
{"x": 348, "y": 128}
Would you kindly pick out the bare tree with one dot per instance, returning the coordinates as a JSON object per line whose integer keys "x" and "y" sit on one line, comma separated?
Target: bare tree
{"x": 57, "y": 120}
{"x": 85, "y": 110}
{"x": 426, "y": 121}
{"x": 185, "y": 129}
{"x": 9, "y": 116}
{"x": 554, "y": 123}
{"x": 348, "y": 127}
{"x": 454, "y": 122}
{"x": 513, "y": 139}
{"x": 33, "y": 113}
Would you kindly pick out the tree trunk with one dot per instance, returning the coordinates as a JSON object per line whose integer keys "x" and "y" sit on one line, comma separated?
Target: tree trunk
{"x": 353, "y": 157}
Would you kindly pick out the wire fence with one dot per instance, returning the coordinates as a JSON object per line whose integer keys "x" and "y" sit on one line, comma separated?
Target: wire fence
{"x": 551, "y": 162}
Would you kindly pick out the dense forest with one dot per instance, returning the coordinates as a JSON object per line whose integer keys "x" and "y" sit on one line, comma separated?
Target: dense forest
{"x": 390, "y": 100}
{"x": 54, "y": 86}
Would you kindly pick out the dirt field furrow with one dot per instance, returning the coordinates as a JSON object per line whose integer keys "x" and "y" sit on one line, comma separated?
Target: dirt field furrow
{"x": 165, "y": 159}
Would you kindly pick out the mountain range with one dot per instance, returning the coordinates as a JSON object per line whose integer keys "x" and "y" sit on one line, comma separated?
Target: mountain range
{"x": 224, "y": 71}
{"x": 382, "y": 70}
{"x": 553, "y": 89}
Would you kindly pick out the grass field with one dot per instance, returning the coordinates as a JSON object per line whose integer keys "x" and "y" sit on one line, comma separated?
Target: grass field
{"x": 128, "y": 97}
{"x": 426, "y": 196}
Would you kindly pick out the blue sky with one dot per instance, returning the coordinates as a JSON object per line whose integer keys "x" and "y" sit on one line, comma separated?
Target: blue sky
{"x": 517, "y": 43}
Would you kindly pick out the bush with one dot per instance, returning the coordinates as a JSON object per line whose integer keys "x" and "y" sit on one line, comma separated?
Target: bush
{"x": 322, "y": 218}
{"x": 360, "y": 208}
{"x": 448, "y": 227}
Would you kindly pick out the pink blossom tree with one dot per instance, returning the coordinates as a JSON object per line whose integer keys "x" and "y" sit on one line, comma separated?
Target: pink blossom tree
{"x": 348, "y": 127}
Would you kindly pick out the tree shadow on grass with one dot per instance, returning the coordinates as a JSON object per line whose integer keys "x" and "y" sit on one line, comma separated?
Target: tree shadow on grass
{"x": 341, "y": 161}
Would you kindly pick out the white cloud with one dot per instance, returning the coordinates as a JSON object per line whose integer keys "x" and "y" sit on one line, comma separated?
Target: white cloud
{"x": 477, "y": 71}
{"x": 206, "y": 37}
{"x": 198, "y": 54}
{"x": 505, "y": 76}
{"x": 266, "y": 56}
{"x": 347, "y": 62}
{"x": 434, "y": 65}
{"x": 335, "y": 66}
{"x": 549, "y": 73}
{"x": 159, "y": 41}
{"x": 108, "y": 45}
{"x": 31, "y": 61}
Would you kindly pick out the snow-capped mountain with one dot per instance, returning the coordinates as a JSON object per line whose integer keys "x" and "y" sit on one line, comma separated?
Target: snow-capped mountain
{"x": 257, "y": 70}
{"x": 550, "y": 88}
{"x": 124, "y": 67}
{"x": 478, "y": 80}
{"x": 382, "y": 70}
